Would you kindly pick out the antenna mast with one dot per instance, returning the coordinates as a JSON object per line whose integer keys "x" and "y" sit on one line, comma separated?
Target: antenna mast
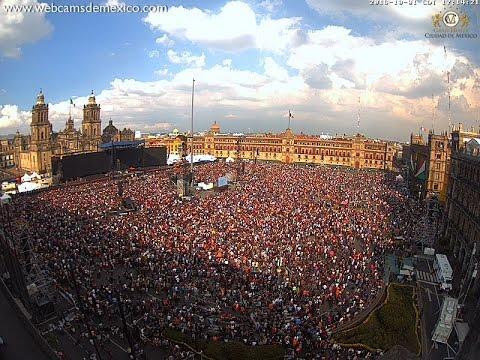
{"x": 358, "y": 116}
{"x": 191, "y": 147}
{"x": 433, "y": 113}
{"x": 448, "y": 91}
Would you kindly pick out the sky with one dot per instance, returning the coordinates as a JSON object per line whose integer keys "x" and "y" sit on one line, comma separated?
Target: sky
{"x": 329, "y": 62}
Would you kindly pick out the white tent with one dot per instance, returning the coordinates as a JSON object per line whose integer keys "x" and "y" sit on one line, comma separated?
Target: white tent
{"x": 172, "y": 159}
{"x": 229, "y": 160}
{"x": 204, "y": 186}
{"x": 26, "y": 178}
{"x": 28, "y": 186}
{"x": 399, "y": 178}
{"x": 5, "y": 199}
{"x": 35, "y": 176}
{"x": 200, "y": 158}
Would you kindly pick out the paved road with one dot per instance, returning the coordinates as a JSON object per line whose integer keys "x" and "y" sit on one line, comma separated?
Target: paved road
{"x": 430, "y": 300}
{"x": 21, "y": 345}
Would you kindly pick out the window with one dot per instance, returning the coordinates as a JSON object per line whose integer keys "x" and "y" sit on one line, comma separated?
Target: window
{"x": 435, "y": 186}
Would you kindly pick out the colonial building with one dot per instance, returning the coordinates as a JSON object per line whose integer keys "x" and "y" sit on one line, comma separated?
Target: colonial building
{"x": 429, "y": 164}
{"x": 34, "y": 152}
{"x": 429, "y": 161}
{"x": 69, "y": 140}
{"x": 461, "y": 232}
{"x": 111, "y": 133}
{"x": 6, "y": 153}
{"x": 460, "y": 137}
{"x": 356, "y": 151}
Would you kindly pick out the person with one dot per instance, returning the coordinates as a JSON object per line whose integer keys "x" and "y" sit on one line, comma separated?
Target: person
{"x": 284, "y": 257}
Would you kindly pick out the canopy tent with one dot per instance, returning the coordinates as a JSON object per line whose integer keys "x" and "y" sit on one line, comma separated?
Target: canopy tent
{"x": 200, "y": 158}
{"x": 35, "y": 176}
{"x": 26, "y": 178}
{"x": 204, "y": 186}
{"x": 5, "y": 199}
{"x": 28, "y": 186}
{"x": 172, "y": 159}
{"x": 229, "y": 160}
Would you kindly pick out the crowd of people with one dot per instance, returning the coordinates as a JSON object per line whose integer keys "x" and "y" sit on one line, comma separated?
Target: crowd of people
{"x": 283, "y": 257}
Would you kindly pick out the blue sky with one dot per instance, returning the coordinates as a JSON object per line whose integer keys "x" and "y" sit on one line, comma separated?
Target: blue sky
{"x": 253, "y": 61}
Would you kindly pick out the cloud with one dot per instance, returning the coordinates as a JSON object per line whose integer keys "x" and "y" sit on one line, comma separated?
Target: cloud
{"x": 275, "y": 71}
{"x": 165, "y": 41}
{"x": 162, "y": 72}
{"x": 186, "y": 58}
{"x": 234, "y": 28}
{"x": 12, "y": 117}
{"x": 115, "y": 3}
{"x": 393, "y": 15}
{"x": 159, "y": 126}
{"x": 317, "y": 77}
{"x": 321, "y": 80}
{"x": 153, "y": 54}
{"x": 20, "y": 28}
{"x": 271, "y": 5}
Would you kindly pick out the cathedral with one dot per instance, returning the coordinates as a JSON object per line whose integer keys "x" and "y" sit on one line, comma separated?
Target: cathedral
{"x": 34, "y": 152}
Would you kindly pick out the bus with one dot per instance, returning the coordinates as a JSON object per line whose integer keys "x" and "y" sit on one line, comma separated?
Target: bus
{"x": 444, "y": 271}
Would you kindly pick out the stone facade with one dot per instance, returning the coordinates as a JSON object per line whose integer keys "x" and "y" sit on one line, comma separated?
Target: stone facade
{"x": 433, "y": 156}
{"x": 34, "y": 152}
{"x": 356, "y": 151}
{"x": 111, "y": 133}
{"x": 461, "y": 232}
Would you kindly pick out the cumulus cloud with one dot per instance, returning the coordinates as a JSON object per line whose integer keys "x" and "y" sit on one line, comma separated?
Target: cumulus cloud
{"x": 321, "y": 77}
{"x": 153, "y": 54}
{"x": 165, "y": 41}
{"x": 114, "y": 3}
{"x": 275, "y": 71}
{"x": 186, "y": 58}
{"x": 233, "y": 28}
{"x": 20, "y": 28}
{"x": 12, "y": 117}
{"x": 395, "y": 21}
{"x": 317, "y": 77}
{"x": 271, "y": 5}
{"x": 162, "y": 72}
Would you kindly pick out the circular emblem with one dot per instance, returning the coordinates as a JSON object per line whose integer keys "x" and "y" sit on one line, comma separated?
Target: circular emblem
{"x": 451, "y": 18}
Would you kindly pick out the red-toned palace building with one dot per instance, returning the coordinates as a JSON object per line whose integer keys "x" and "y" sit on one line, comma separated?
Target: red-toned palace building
{"x": 287, "y": 147}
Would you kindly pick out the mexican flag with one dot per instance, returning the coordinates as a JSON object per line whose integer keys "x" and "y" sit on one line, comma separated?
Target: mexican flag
{"x": 422, "y": 172}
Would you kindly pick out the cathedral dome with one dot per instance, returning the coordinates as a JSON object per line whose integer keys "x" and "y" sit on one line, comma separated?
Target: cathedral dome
{"x": 215, "y": 128}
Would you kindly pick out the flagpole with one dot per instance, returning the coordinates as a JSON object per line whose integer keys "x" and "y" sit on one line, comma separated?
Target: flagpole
{"x": 289, "y": 117}
{"x": 191, "y": 145}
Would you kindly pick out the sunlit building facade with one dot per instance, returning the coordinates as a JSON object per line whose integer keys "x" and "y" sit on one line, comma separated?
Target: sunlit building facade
{"x": 356, "y": 151}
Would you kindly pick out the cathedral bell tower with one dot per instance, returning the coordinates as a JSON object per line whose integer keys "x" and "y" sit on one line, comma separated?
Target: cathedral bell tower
{"x": 41, "y": 137}
{"x": 91, "y": 125}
